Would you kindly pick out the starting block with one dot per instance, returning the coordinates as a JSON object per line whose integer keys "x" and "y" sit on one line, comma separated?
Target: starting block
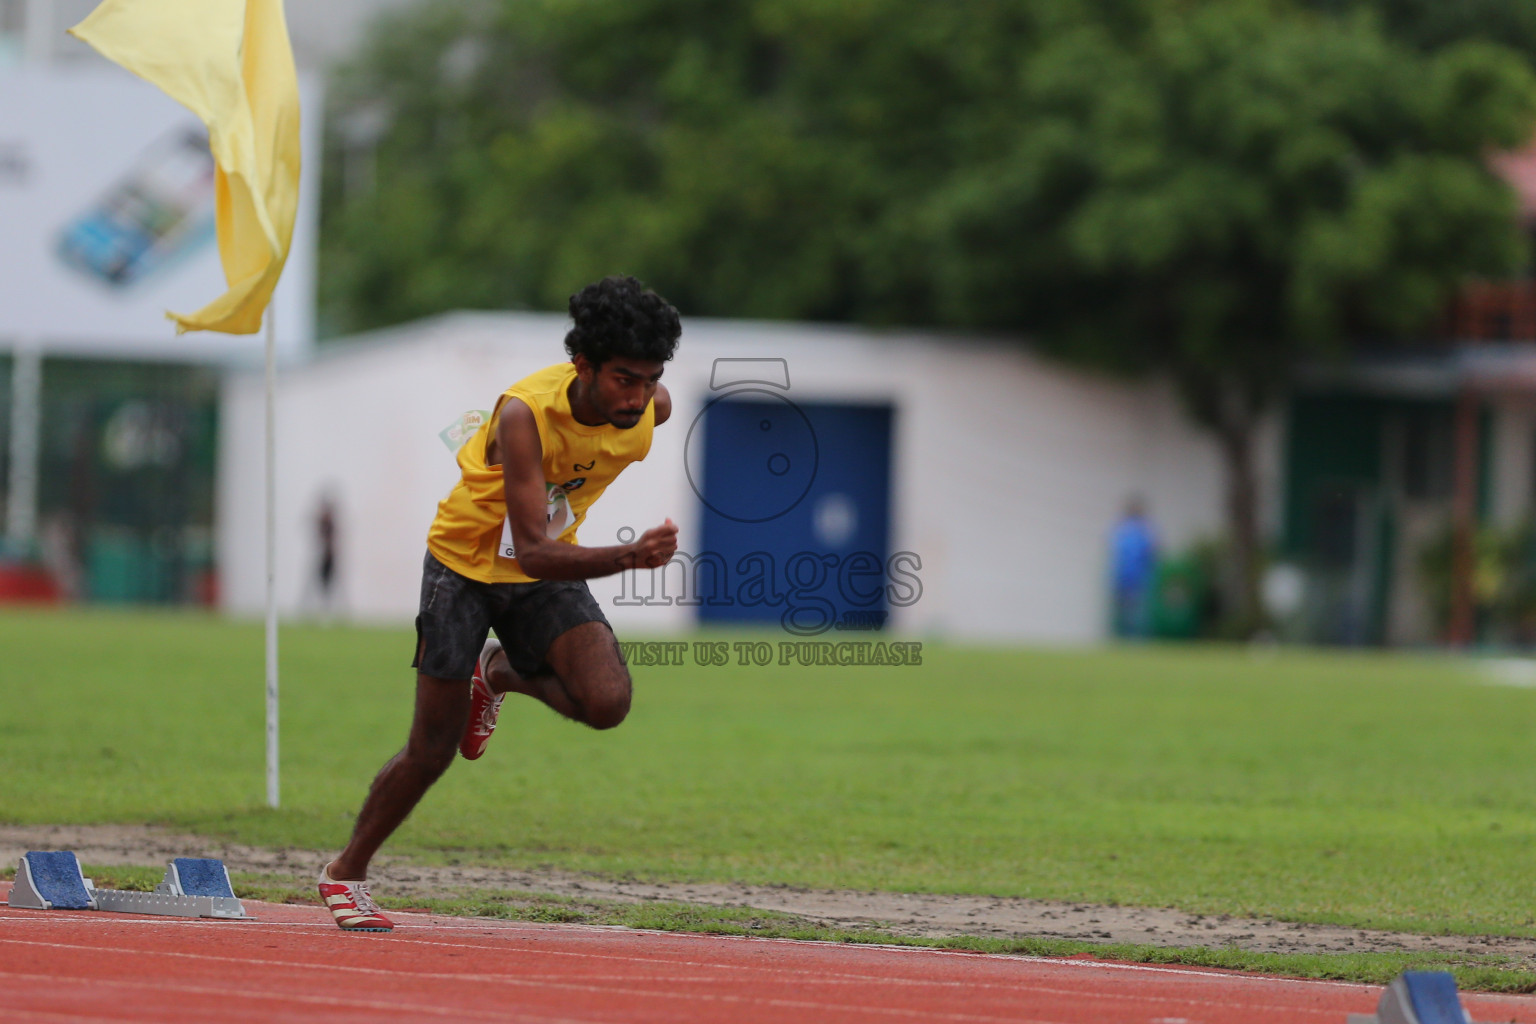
{"x": 1417, "y": 997}
{"x": 193, "y": 887}
{"x": 51, "y": 881}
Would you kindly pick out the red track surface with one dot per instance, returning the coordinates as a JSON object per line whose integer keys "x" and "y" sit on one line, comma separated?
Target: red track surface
{"x": 292, "y": 964}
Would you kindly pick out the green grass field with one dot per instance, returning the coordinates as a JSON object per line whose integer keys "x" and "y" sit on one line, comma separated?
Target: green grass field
{"x": 1362, "y": 789}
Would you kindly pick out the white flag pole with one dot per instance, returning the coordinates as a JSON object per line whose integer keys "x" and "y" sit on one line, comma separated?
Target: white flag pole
{"x": 271, "y": 482}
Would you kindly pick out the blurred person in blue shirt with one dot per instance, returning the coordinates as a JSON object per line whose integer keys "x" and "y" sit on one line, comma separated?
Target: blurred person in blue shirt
{"x": 1133, "y": 571}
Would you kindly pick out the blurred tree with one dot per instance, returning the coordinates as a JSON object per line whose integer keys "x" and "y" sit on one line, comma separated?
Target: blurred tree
{"x": 1431, "y": 24}
{"x": 1217, "y": 189}
{"x": 1235, "y": 189}
{"x": 744, "y": 156}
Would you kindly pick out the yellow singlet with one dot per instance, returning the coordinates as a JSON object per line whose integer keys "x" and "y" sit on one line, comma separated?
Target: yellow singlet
{"x": 470, "y": 534}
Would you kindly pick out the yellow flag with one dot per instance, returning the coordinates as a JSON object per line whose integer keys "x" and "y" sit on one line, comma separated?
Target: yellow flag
{"x": 230, "y": 63}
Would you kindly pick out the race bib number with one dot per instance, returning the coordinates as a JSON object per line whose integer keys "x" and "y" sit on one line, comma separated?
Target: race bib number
{"x": 557, "y": 518}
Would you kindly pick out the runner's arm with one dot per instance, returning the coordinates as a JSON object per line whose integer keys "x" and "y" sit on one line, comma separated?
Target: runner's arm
{"x": 663, "y": 400}
{"x": 543, "y": 558}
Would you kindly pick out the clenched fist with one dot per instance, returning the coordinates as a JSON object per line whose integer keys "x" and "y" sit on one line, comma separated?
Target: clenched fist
{"x": 656, "y": 546}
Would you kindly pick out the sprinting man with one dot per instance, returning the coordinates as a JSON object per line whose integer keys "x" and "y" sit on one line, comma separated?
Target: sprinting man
{"x": 502, "y": 555}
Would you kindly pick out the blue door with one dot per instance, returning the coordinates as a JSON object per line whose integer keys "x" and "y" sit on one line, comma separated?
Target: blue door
{"x": 795, "y": 502}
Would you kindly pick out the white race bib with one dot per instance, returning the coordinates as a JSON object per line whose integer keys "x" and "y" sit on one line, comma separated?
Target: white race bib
{"x": 557, "y": 517}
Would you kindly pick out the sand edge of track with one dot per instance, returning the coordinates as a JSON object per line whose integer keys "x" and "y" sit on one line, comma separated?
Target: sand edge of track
{"x": 920, "y": 915}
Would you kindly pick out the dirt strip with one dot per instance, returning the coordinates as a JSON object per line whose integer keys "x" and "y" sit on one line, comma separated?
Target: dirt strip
{"x": 915, "y": 914}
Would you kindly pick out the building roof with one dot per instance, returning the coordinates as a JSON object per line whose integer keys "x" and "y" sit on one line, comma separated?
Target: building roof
{"x": 1490, "y": 368}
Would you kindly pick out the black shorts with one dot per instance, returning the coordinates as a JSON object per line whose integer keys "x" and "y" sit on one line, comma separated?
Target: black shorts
{"x": 458, "y": 612}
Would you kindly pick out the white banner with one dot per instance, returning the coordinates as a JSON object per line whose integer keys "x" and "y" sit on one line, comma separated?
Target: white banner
{"x": 106, "y": 222}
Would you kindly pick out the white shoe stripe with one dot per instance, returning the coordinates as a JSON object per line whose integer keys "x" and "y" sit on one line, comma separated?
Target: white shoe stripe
{"x": 348, "y": 915}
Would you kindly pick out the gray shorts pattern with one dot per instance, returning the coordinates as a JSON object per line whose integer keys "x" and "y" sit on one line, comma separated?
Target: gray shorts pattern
{"x": 457, "y": 613}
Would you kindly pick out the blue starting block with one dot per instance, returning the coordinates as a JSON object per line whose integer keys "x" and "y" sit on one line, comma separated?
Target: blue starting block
{"x": 197, "y": 876}
{"x": 193, "y": 887}
{"x": 51, "y": 881}
{"x": 1417, "y": 997}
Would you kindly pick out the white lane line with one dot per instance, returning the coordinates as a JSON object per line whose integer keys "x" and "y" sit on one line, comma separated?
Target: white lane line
{"x": 811, "y": 973}
{"x": 12, "y": 1014}
{"x": 1021, "y": 988}
{"x": 607, "y": 990}
{"x": 914, "y": 951}
{"x": 163, "y": 984}
{"x": 95, "y": 920}
{"x": 467, "y": 924}
{"x": 853, "y": 949}
{"x": 437, "y": 922}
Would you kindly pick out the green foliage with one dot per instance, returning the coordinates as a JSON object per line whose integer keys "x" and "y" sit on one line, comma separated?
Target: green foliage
{"x": 1216, "y": 186}
{"x": 1256, "y": 186}
{"x": 1431, "y": 24}
{"x": 1503, "y": 581}
{"x": 1355, "y": 789}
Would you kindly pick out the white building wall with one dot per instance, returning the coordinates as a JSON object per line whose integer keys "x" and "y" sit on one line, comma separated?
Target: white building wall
{"x": 1008, "y": 471}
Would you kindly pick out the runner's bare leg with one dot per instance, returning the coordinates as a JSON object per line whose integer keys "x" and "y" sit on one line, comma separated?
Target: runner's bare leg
{"x": 442, "y": 711}
{"x": 590, "y": 683}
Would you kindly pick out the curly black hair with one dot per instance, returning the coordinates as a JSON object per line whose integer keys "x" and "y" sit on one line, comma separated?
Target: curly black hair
{"x": 619, "y": 316}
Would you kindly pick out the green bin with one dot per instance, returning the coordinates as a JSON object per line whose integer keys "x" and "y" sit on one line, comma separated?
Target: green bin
{"x": 1178, "y": 599}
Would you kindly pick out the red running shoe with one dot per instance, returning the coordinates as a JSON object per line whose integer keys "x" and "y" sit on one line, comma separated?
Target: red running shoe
{"x": 484, "y": 706}
{"x": 351, "y": 905}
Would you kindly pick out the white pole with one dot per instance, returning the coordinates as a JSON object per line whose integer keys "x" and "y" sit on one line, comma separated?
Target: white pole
{"x": 271, "y": 465}
{"x": 26, "y": 432}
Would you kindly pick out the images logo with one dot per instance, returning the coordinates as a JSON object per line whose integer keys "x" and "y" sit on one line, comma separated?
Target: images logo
{"x": 706, "y": 578}
{"x": 774, "y": 457}
{"x": 783, "y": 450}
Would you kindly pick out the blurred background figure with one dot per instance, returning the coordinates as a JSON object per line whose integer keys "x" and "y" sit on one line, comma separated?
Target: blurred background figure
{"x": 1133, "y": 572}
{"x": 324, "y": 593}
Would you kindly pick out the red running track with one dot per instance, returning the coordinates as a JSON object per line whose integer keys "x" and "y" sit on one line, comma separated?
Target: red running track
{"x": 292, "y": 964}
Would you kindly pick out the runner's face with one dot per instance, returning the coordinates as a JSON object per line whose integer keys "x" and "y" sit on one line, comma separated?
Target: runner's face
{"x": 622, "y": 389}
